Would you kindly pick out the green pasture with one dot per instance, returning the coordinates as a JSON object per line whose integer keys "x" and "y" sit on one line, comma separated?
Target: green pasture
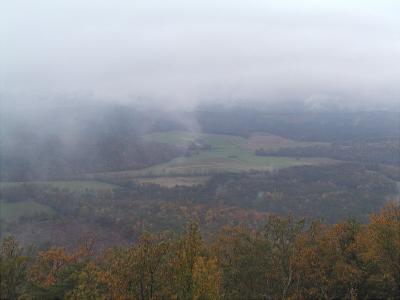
{"x": 228, "y": 154}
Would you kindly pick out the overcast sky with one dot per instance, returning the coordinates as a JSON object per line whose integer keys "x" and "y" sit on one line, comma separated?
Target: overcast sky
{"x": 180, "y": 52}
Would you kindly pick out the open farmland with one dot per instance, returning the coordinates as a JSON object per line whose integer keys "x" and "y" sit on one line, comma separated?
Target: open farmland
{"x": 226, "y": 153}
{"x": 274, "y": 142}
{"x": 204, "y": 163}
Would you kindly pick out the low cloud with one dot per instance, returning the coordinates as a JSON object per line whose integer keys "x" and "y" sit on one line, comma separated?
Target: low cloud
{"x": 182, "y": 52}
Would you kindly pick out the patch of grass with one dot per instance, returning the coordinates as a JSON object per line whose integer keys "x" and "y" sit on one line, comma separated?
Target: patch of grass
{"x": 273, "y": 142}
{"x": 76, "y": 185}
{"x": 13, "y": 211}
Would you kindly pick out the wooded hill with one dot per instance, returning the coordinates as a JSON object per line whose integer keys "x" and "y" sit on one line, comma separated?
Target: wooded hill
{"x": 284, "y": 260}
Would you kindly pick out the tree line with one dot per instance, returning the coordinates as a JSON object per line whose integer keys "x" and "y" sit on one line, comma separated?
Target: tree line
{"x": 387, "y": 152}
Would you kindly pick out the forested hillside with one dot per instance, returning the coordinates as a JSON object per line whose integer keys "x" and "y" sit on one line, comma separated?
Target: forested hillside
{"x": 329, "y": 126}
{"x": 278, "y": 207}
{"x": 121, "y": 211}
{"x": 97, "y": 140}
{"x": 285, "y": 259}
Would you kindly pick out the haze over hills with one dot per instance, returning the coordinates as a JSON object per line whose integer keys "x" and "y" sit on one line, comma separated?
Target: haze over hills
{"x": 199, "y": 149}
{"x": 135, "y": 150}
{"x": 331, "y": 53}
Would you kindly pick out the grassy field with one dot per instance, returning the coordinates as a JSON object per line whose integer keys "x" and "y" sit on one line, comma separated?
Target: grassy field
{"x": 221, "y": 141}
{"x": 206, "y": 164}
{"x": 10, "y": 212}
{"x": 274, "y": 142}
{"x": 76, "y": 185}
{"x": 228, "y": 154}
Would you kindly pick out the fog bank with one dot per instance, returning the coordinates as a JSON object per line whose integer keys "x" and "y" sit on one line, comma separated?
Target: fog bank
{"x": 179, "y": 53}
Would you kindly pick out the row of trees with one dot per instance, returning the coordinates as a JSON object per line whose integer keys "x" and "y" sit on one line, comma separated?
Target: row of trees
{"x": 287, "y": 259}
{"x": 386, "y": 152}
{"x": 301, "y": 125}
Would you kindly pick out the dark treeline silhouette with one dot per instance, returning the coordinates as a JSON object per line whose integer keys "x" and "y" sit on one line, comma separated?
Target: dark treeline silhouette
{"x": 302, "y": 125}
{"x": 385, "y": 152}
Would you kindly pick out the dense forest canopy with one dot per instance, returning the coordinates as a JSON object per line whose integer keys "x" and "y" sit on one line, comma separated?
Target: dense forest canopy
{"x": 285, "y": 259}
